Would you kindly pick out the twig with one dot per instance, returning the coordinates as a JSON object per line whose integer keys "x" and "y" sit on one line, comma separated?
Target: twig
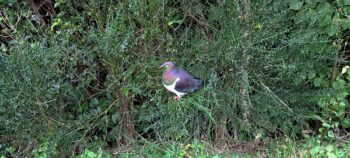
{"x": 11, "y": 27}
{"x": 31, "y": 146}
{"x": 19, "y": 18}
{"x": 6, "y": 36}
{"x": 336, "y": 63}
{"x": 57, "y": 121}
{"x": 343, "y": 138}
{"x": 183, "y": 19}
{"x": 95, "y": 117}
{"x": 199, "y": 21}
{"x": 159, "y": 45}
{"x": 280, "y": 100}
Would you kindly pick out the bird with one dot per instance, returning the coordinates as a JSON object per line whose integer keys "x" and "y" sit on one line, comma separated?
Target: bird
{"x": 178, "y": 81}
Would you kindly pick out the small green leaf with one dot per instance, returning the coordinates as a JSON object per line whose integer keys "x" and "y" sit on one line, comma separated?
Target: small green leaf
{"x": 114, "y": 118}
{"x": 342, "y": 106}
{"x": 324, "y": 124}
{"x": 344, "y": 69}
{"x": 346, "y": 122}
{"x": 345, "y": 23}
{"x": 339, "y": 84}
{"x": 313, "y": 16}
{"x": 125, "y": 91}
{"x": 325, "y": 8}
{"x": 325, "y": 21}
{"x": 297, "y": 81}
{"x": 342, "y": 95}
{"x": 332, "y": 30}
{"x": 57, "y": 4}
{"x": 347, "y": 2}
{"x": 258, "y": 26}
{"x": 319, "y": 82}
{"x": 331, "y": 155}
{"x": 170, "y": 23}
{"x": 198, "y": 9}
{"x": 61, "y": 14}
{"x": 94, "y": 101}
{"x": 216, "y": 156}
{"x": 339, "y": 153}
{"x": 56, "y": 23}
{"x": 330, "y": 134}
{"x": 296, "y": 5}
{"x": 329, "y": 148}
{"x": 311, "y": 75}
{"x": 315, "y": 150}
{"x": 90, "y": 154}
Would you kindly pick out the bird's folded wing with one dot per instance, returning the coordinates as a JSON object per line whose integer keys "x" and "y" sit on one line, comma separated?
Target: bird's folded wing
{"x": 186, "y": 84}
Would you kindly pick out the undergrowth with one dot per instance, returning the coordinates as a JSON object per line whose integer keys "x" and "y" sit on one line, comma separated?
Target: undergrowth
{"x": 80, "y": 78}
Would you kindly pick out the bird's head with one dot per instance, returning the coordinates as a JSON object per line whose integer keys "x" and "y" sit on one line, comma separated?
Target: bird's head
{"x": 167, "y": 65}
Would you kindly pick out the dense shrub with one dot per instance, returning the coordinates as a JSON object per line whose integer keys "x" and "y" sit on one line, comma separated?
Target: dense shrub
{"x": 84, "y": 73}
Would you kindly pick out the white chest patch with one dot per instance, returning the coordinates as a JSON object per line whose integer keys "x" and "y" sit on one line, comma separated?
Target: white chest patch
{"x": 172, "y": 88}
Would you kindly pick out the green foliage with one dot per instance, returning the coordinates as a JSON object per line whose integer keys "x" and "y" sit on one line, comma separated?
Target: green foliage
{"x": 311, "y": 147}
{"x": 169, "y": 150}
{"x": 90, "y": 154}
{"x": 329, "y": 151}
{"x": 334, "y": 106}
{"x": 81, "y": 74}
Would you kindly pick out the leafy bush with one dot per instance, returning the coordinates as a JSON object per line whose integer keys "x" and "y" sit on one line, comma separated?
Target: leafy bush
{"x": 83, "y": 73}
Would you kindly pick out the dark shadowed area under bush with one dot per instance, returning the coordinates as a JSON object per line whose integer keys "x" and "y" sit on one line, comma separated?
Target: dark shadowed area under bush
{"x": 82, "y": 78}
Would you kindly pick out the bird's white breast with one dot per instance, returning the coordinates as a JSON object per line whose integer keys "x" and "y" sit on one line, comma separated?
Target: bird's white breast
{"x": 171, "y": 88}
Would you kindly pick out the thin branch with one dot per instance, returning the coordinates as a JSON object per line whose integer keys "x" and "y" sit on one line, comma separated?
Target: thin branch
{"x": 280, "y": 100}
{"x": 58, "y": 122}
{"x": 95, "y": 117}
{"x": 199, "y": 21}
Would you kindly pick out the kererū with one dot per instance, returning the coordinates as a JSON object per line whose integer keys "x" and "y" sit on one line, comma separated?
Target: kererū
{"x": 178, "y": 81}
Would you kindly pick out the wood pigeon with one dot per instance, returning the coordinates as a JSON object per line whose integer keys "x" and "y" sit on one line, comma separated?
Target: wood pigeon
{"x": 178, "y": 81}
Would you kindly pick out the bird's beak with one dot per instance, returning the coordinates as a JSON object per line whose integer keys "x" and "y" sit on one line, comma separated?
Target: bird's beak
{"x": 161, "y": 66}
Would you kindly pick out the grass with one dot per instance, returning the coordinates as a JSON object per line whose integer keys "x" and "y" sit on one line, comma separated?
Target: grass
{"x": 278, "y": 148}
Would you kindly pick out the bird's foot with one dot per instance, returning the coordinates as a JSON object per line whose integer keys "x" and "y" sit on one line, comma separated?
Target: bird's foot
{"x": 177, "y": 98}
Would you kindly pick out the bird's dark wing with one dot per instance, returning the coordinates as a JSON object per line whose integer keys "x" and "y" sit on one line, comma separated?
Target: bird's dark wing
{"x": 186, "y": 83}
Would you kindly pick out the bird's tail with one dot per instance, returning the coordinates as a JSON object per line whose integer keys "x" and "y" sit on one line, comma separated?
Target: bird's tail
{"x": 198, "y": 84}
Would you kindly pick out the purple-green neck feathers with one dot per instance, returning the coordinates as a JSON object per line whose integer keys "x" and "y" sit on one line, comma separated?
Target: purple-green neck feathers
{"x": 169, "y": 76}
{"x": 170, "y": 72}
